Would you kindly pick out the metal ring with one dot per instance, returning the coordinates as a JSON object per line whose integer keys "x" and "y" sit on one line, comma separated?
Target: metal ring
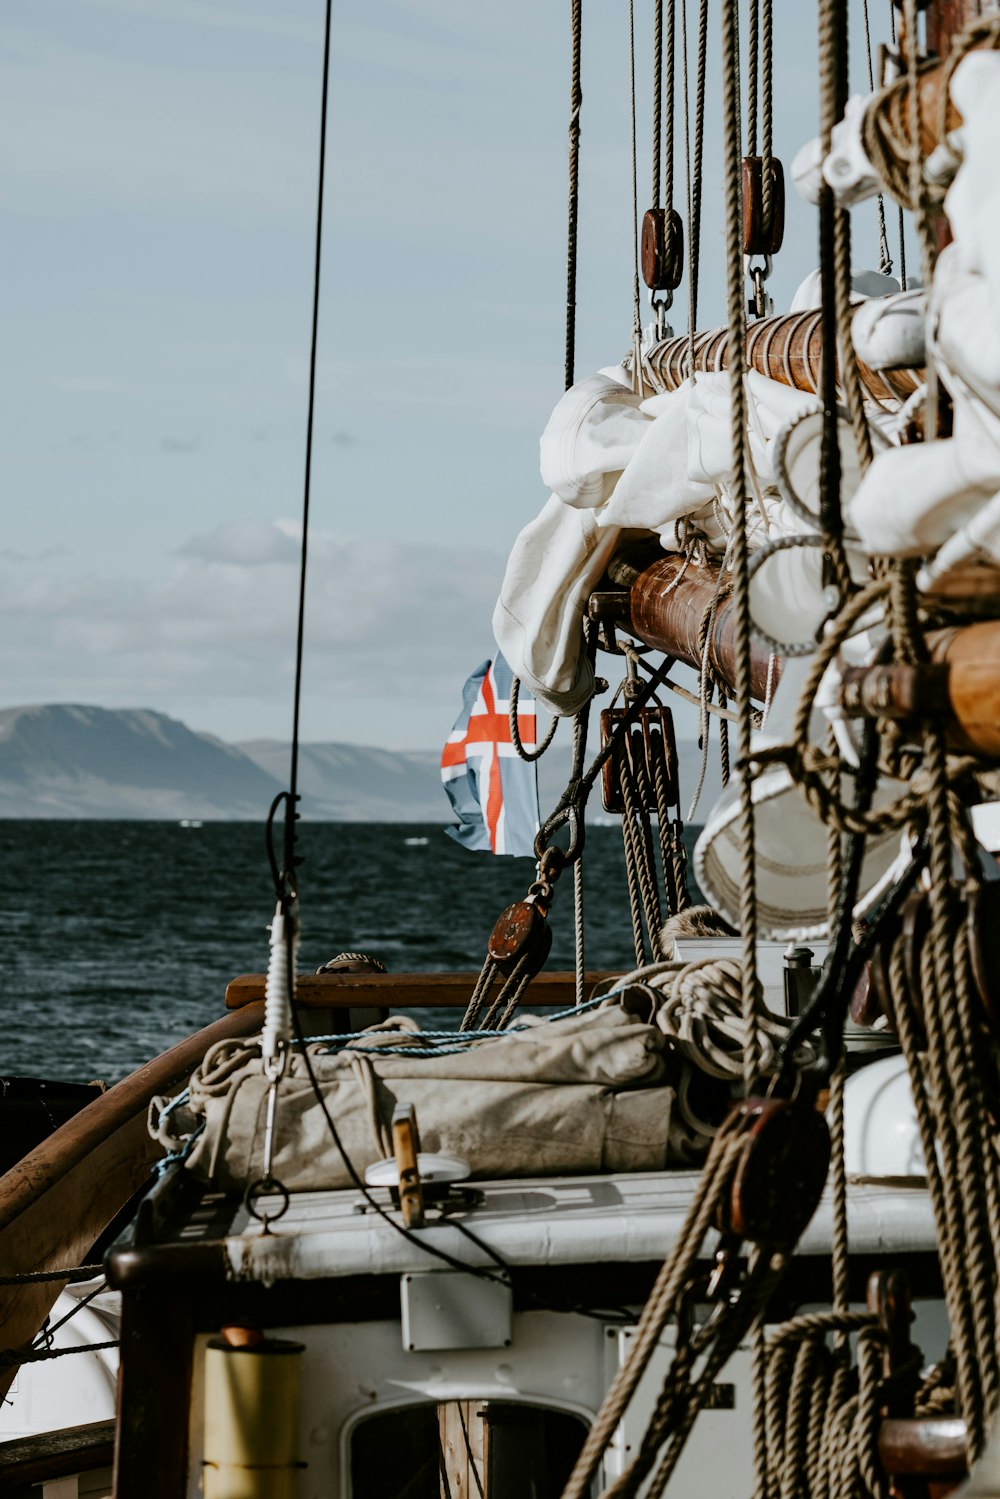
{"x": 266, "y": 1186}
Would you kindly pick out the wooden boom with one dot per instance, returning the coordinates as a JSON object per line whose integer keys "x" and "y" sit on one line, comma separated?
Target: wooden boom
{"x": 788, "y": 349}
{"x": 667, "y": 601}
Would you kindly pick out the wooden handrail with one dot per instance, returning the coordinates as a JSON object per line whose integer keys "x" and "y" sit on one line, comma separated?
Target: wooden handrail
{"x": 57, "y": 1201}
{"x": 56, "y": 1454}
{"x": 73, "y": 1142}
{"x": 401, "y": 991}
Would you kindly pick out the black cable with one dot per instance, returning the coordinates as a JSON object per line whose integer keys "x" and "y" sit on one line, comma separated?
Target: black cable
{"x": 469, "y": 1452}
{"x": 292, "y": 815}
{"x": 272, "y": 857}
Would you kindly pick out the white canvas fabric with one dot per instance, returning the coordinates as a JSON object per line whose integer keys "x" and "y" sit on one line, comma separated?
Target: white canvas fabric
{"x": 913, "y": 498}
{"x": 559, "y": 557}
{"x": 590, "y": 437}
{"x": 553, "y": 568}
{"x": 889, "y": 332}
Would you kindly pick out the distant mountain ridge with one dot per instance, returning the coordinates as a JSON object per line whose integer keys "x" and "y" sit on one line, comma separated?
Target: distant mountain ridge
{"x": 73, "y": 760}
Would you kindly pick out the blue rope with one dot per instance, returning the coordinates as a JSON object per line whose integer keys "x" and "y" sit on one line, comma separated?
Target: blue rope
{"x": 453, "y": 1042}
{"x": 177, "y": 1157}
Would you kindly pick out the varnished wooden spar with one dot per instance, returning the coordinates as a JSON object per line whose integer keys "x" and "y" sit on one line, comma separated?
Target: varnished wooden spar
{"x": 960, "y": 686}
{"x": 668, "y": 602}
{"x": 788, "y": 349}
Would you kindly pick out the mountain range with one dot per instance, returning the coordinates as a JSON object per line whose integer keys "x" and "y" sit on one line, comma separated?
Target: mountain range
{"x": 72, "y": 760}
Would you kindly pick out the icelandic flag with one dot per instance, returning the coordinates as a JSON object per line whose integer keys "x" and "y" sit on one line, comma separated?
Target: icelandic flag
{"x": 493, "y": 791}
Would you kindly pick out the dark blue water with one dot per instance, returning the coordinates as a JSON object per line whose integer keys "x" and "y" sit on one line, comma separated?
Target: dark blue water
{"x": 118, "y": 938}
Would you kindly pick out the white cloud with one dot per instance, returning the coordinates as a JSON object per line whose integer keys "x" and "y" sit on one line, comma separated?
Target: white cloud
{"x": 383, "y": 621}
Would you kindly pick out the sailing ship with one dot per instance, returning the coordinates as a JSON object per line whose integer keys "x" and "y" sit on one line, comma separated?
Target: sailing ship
{"x": 729, "y": 1222}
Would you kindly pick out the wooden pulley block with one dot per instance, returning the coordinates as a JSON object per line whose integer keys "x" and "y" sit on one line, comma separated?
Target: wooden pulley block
{"x": 662, "y": 249}
{"x": 982, "y": 929}
{"x": 872, "y": 997}
{"x": 521, "y": 931}
{"x": 653, "y": 740}
{"x": 755, "y": 242}
{"x": 780, "y": 1172}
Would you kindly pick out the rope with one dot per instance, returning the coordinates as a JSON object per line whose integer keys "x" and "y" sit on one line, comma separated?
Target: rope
{"x": 291, "y": 818}
{"x": 11, "y": 1357}
{"x": 753, "y": 49}
{"x": 636, "y": 304}
{"x": 573, "y": 210}
{"x": 515, "y": 732}
{"x": 884, "y": 257}
{"x": 579, "y": 934}
{"x": 767, "y": 111}
{"x": 901, "y": 225}
{"x": 738, "y": 484}
{"x": 668, "y": 153}
{"x": 663, "y": 1301}
{"x": 694, "y": 168}
{"x": 657, "y": 98}
{"x": 40, "y": 1277}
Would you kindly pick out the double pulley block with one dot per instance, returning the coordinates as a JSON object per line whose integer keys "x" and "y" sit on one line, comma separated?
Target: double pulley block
{"x": 643, "y": 752}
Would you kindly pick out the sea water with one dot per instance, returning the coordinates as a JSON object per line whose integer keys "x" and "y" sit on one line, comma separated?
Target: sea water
{"x": 119, "y": 937}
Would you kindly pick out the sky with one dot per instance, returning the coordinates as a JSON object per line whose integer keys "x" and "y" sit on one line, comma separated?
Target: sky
{"x": 158, "y": 192}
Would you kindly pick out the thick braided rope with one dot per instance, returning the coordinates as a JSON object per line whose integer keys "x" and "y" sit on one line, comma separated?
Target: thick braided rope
{"x": 634, "y": 896}
{"x": 665, "y": 827}
{"x": 740, "y": 546}
{"x": 959, "y": 1110}
{"x": 694, "y": 237}
{"x": 936, "y": 994}
{"x": 836, "y": 82}
{"x": 573, "y": 206}
{"x": 660, "y": 1307}
{"x": 515, "y": 732}
{"x": 695, "y": 1397}
{"x": 945, "y": 1217}
{"x": 668, "y": 136}
{"x": 767, "y": 117}
{"x": 753, "y": 52}
{"x": 41, "y": 1277}
{"x": 580, "y": 723}
{"x": 637, "y": 819}
{"x": 657, "y": 98}
{"x": 885, "y": 259}
{"x": 636, "y": 304}
{"x": 484, "y": 984}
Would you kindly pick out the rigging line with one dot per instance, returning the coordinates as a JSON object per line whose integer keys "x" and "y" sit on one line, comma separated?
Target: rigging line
{"x": 767, "y": 113}
{"x": 636, "y": 304}
{"x": 657, "y": 98}
{"x": 573, "y": 212}
{"x": 902, "y": 221}
{"x": 885, "y": 259}
{"x": 740, "y": 544}
{"x": 687, "y": 185}
{"x": 291, "y": 814}
{"x": 699, "y": 147}
{"x": 668, "y": 162}
{"x": 753, "y": 35}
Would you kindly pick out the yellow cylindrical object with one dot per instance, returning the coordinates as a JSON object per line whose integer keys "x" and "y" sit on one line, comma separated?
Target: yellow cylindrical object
{"x": 252, "y": 1420}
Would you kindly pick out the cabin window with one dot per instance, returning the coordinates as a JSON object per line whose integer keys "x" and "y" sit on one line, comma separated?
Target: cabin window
{"x": 464, "y": 1447}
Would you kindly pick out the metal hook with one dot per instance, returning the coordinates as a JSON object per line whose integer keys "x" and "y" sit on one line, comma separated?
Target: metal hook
{"x": 759, "y": 305}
